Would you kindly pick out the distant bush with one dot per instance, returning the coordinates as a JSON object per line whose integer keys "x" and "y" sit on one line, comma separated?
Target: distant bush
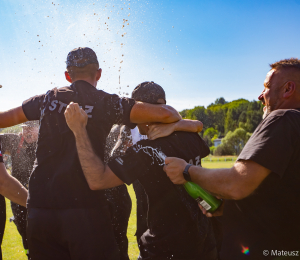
{"x": 212, "y": 149}
{"x": 233, "y": 142}
{"x": 224, "y": 149}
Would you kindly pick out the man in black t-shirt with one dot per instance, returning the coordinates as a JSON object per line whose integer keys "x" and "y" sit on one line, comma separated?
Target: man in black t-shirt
{"x": 21, "y": 148}
{"x": 262, "y": 221}
{"x": 66, "y": 220}
{"x": 176, "y": 227}
{"x": 12, "y": 189}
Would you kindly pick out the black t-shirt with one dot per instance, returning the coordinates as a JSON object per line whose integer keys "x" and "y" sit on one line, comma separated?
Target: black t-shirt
{"x": 269, "y": 218}
{"x": 57, "y": 180}
{"x": 22, "y": 155}
{"x": 173, "y": 230}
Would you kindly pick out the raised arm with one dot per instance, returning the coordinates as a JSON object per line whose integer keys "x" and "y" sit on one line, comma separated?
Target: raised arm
{"x": 12, "y": 117}
{"x": 98, "y": 175}
{"x": 11, "y": 188}
{"x": 148, "y": 113}
{"x": 161, "y": 130}
{"x": 235, "y": 183}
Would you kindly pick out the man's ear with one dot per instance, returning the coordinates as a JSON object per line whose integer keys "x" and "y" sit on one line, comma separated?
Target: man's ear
{"x": 68, "y": 78}
{"x": 98, "y": 75}
{"x": 289, "y": 89}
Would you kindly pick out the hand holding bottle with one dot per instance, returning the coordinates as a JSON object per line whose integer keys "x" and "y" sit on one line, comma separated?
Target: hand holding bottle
{"x": 217, "y": 213}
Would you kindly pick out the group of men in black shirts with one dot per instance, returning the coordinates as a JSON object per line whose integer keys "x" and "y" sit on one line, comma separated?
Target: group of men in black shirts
{"x": 68, "y": 213}
{"x": 66, "y": 219}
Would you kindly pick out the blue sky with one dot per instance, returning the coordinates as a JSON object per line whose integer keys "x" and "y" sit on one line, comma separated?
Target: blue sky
{"x": 197, "y": 50}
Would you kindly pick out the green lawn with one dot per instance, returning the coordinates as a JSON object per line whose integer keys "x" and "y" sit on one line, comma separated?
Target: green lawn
{"x": 12, "y": 248}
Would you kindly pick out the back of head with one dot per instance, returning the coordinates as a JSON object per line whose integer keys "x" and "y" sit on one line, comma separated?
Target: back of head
{"x": 149, "y": 92}
{"x": 82, "y": 62}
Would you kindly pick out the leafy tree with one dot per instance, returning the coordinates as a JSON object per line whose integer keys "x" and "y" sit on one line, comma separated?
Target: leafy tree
{"x": 208, "y": 134}
{"x": 226, "y": 116}
{"x": 220, "y": 101}
{"x": 212, "y": 149}
{"x": 233, "y": 142}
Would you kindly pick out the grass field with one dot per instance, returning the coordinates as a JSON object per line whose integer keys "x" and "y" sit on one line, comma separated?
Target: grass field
{"x": 12, "y": 248}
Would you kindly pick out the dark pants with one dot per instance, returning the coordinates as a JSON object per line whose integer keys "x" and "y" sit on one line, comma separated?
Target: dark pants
{"x": 141, "y": 209}
{"x": 20, "y": 220}
{"x": 2, "y": 221}
{"x": 65, "y": 234}
{"x": 120, "y": 207}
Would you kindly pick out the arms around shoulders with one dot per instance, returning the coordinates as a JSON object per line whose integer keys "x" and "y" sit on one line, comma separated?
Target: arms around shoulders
{"x": 12, "y": 117}
{"x": 162, "y": 130}
{"x": 148, "y": 113}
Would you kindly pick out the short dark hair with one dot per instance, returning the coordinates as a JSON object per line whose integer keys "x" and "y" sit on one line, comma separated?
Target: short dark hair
{"x": 292, "y": 63}
{"x": 148, "y": 92}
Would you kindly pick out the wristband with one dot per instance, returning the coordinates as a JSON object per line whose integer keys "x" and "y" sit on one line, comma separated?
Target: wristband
{"x": 186, "y": 174}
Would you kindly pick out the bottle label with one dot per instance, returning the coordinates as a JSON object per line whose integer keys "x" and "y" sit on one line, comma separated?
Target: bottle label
{"x": 203, "y": 203}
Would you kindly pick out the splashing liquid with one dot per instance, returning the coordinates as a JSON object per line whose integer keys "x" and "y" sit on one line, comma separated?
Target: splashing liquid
{"x": 154, "y": 153}
{"x": 206, "y": 200}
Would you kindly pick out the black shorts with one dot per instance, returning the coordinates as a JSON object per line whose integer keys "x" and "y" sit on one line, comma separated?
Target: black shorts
{"x": 120, "y": 208}
{"x": 65, "y": 234}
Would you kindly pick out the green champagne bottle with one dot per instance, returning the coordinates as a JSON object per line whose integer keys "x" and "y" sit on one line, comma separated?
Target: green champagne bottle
{"x": 206, "y": 200}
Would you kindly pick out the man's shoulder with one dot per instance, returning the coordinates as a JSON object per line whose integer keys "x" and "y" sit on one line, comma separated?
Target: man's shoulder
{"x": 287, "y": 117}
{"x": 284, "y": 113}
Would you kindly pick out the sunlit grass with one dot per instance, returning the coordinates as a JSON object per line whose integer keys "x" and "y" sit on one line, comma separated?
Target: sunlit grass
{"x": 12, "y": 248}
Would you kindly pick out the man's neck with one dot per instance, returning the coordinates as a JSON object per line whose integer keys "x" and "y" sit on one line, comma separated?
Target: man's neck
{"x": 90, "y": 81}
{"x": 292, "y": 104}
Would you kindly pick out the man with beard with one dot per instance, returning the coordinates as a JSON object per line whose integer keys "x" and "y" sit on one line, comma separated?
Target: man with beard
{"x": 21, "y": 148}
{"x": 176, "y": 227}
{"x": 263, "y": 216}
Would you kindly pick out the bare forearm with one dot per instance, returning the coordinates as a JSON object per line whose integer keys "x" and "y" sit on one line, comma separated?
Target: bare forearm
{"x": 235, "y": 183}
{"x": 11, "y": 188}
{"x": 149, "y": 113}
{"x": 92, "y": 166}
{"x": 172, "y": 115}
{"x": 188, "y": 125}
{"x": 219, "y": 182}
{"x": 12, "y": 117}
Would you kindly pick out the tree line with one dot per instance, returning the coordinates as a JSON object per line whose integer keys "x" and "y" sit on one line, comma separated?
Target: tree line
{"x": 233, "y": 121}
